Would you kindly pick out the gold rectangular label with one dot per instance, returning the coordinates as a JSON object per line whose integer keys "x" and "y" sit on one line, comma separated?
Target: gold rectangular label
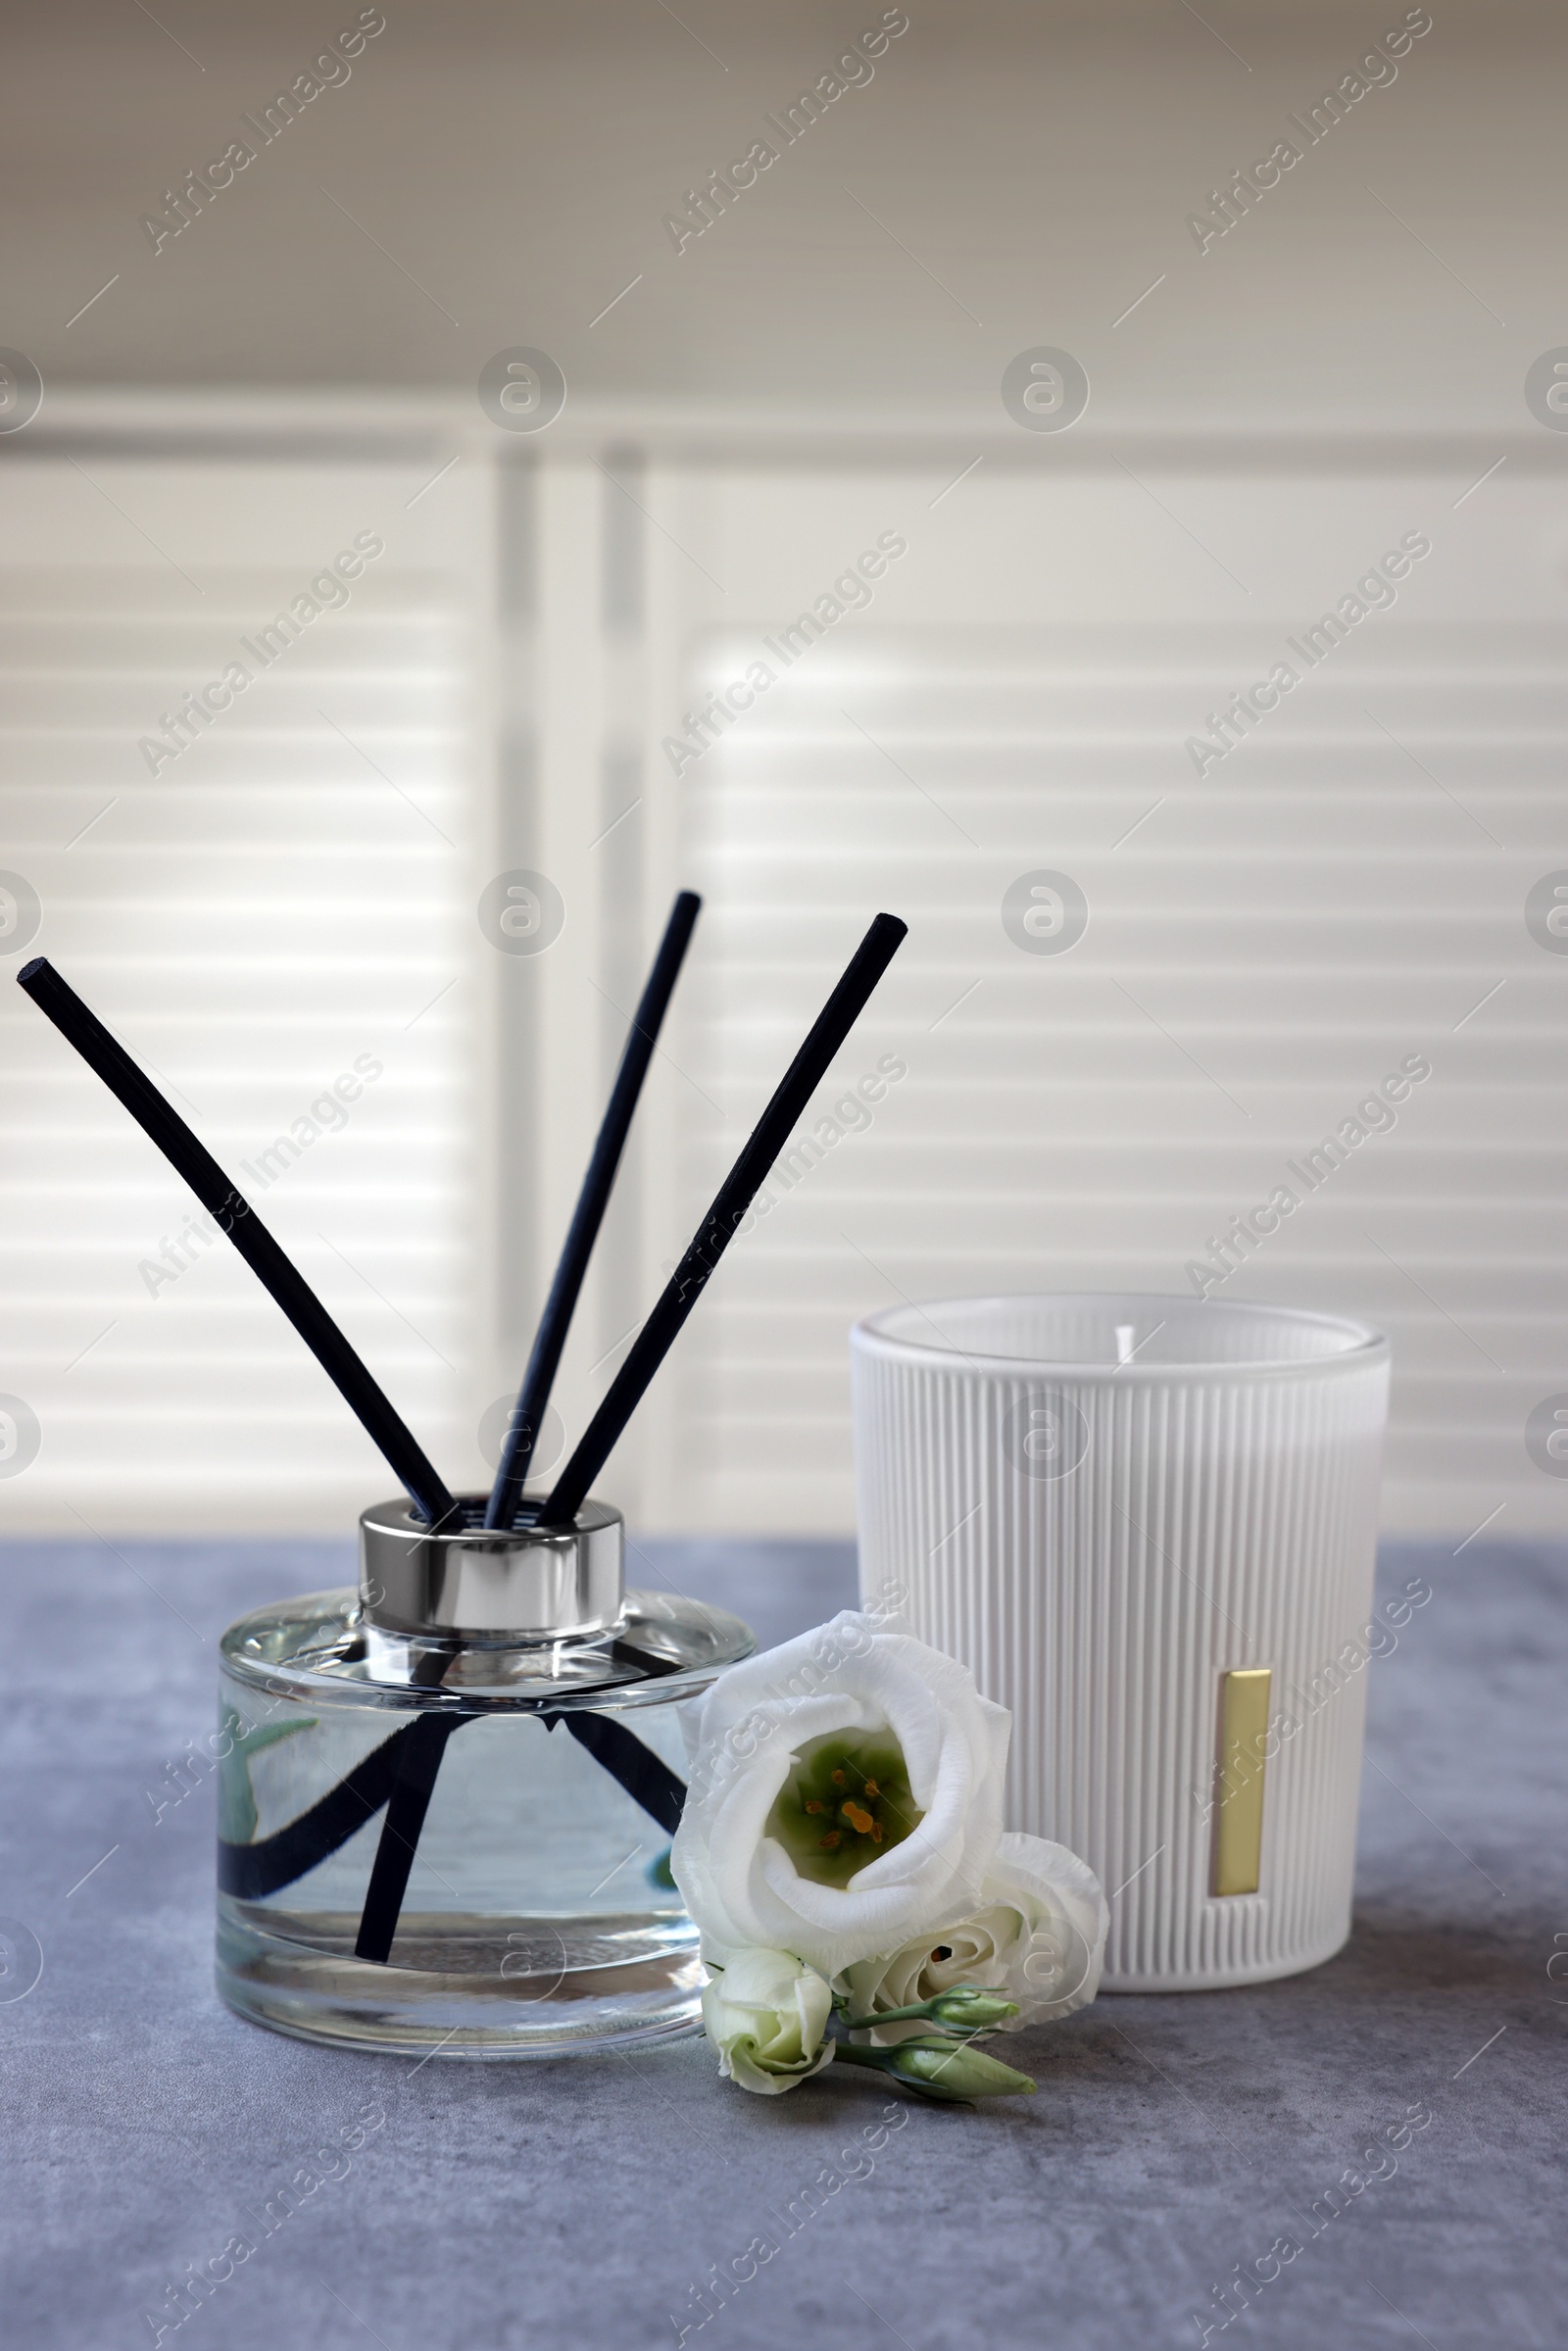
{"x": 1239, "y": 1810}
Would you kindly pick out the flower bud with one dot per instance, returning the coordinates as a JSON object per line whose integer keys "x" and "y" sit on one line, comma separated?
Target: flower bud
{"x": 951, "y": 2069}
{"x": 765, "y": 2015}
{"x": 969, "y": 2009}
{"x": 963, "y": 2006}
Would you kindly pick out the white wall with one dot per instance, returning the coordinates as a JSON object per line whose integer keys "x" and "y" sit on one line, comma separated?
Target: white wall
{"x": 516, "y": 163}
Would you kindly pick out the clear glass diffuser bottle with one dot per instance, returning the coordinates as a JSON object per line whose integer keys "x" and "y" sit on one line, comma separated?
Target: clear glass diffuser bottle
{"x": 446, "y": 1800}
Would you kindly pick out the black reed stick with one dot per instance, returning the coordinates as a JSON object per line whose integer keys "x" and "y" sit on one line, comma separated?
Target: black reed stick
{"x": 592, "y": 1201}
{"x": 412, "y": 1786}
{"x": 645, "y": 1777}
{"x": 239, "y": 1220}
{"x": 713, "y": 1235}
{"x": 250, "y": 1873}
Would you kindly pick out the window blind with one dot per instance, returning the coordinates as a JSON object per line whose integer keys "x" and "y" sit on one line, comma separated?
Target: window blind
{"x": 1169, "y": 934}
{"x": 264, "y": 892}
{"x": 1332, "y": 895}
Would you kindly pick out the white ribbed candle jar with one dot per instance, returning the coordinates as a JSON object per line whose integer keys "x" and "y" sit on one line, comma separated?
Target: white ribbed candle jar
{"x": 1103, "y": 1505}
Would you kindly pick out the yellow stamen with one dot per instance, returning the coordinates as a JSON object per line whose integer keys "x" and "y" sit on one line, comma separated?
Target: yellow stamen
{"x": 813, "y": 1805}
{"x": 832, "y": 1840}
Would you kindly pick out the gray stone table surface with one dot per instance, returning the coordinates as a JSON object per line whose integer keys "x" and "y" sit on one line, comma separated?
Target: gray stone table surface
{"x": 579, "y": 2202}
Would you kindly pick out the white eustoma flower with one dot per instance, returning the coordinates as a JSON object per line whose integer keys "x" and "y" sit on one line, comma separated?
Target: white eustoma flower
{"x": 765, "y": 2015}
{"x": 1037, "y": 1936}
{"x": 845, "y": 1796}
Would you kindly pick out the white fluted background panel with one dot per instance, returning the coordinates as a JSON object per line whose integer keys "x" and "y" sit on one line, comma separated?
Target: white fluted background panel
{"x": 1223, "y": 1514}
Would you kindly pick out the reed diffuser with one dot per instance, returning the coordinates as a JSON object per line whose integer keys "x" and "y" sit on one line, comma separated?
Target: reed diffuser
{"x": 447, "y": 1796}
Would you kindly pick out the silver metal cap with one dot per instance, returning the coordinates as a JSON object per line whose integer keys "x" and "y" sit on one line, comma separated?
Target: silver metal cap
{"x": 532, "y": 1583}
